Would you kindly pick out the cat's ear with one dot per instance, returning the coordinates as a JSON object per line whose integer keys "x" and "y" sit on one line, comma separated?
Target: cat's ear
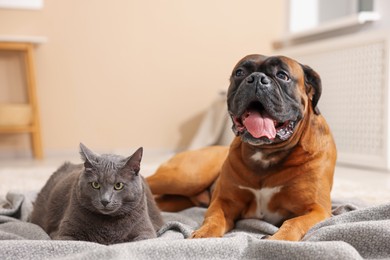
{"x": 133, "y": 163}
{"x": 87, "y": 156}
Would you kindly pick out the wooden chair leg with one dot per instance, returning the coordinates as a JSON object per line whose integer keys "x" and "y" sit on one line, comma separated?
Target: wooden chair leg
{"x": 36, "y": 140}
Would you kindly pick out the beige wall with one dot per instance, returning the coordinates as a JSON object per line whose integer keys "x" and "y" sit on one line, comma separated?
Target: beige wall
{"x": 118, "y": 74}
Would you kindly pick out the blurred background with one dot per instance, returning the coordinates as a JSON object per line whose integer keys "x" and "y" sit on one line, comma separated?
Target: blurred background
{"x": 121, "y": 74}
{"x": 130, "y": 73}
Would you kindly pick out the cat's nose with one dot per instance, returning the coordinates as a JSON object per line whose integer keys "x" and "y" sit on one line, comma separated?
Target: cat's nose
{"x": 104, "y": 202}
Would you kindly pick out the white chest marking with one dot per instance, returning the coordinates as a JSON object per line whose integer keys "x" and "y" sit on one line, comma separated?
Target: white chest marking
{"x": 258, "y": 157}
{"x": 263, "y": 197}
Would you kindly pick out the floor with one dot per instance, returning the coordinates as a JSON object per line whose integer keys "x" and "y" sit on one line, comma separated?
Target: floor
{"x": 25, "y": 175}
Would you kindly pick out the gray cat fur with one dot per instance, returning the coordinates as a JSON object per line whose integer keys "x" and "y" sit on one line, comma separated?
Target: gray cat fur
{"x": 65, "y": 210}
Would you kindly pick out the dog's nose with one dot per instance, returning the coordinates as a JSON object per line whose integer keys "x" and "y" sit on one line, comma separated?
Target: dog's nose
{"x": 258, "y": 77}
{"x": 264, "y": 80}
{"x": 250, "y": 79}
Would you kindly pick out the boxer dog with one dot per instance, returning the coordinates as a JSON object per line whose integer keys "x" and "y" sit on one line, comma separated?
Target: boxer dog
{"x": 279, "y": 167}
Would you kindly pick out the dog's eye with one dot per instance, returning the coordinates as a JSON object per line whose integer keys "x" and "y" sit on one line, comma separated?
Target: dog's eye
{"x": 239, "y": 73}
{"x": 282, "y": 75}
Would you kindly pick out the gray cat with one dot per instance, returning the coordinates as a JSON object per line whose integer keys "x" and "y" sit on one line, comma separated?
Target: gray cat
{"x": 104, "y": 200}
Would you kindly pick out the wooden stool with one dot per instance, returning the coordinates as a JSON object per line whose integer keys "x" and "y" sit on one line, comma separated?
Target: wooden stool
{"x": 34, "y": 129}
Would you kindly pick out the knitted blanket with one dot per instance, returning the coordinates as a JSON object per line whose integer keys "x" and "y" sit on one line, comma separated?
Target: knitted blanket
{"x": 354, "y": 232}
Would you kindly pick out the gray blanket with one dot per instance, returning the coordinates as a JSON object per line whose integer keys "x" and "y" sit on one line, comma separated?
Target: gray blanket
{"x": 354, "y": 232}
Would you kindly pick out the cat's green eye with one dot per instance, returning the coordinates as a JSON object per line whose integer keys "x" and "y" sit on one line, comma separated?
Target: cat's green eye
{"x": 118, "y": 186}
{"x": 95, "y": 185}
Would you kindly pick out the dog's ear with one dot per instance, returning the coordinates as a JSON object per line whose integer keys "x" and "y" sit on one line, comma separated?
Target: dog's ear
{"x": 313, "y": 86}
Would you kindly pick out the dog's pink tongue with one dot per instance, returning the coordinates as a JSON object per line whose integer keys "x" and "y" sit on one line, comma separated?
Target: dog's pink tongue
{"x": 259, "y": 126}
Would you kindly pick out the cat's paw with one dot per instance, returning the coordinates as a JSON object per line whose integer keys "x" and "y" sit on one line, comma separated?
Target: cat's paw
{"x": 63, "y": 238}
{"x": 140, "y": 238}
{"x": 144, "y": 236}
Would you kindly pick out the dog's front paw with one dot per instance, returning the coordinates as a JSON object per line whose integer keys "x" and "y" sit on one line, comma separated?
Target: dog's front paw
{"x": 206, "y": 231}
{"x": 287, "y": 236}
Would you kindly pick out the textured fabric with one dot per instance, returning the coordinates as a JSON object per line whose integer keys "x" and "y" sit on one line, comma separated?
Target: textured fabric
{"x": 215, "y": 127}
{"x": 354, "y": 232}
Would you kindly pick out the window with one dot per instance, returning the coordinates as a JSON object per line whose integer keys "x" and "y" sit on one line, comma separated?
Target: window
{"x": 22, "y": 4}
{"x": 310, "y": 14}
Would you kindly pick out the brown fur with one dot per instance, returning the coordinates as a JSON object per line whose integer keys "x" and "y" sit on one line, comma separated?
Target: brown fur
{"x": 301, "y": 166}
{"x": 175, "y": 193}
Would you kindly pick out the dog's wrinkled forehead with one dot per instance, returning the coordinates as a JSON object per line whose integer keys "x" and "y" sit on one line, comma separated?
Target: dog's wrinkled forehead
{"x": 256, "y": 62}
{"x": 250, "y": 60}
